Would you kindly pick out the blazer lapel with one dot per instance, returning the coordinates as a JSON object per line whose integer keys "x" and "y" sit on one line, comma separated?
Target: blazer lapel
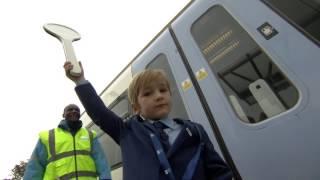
{"x": 143, "y": 129}
{"x": 150, "y": 127}
{"x": 184, "y": 134}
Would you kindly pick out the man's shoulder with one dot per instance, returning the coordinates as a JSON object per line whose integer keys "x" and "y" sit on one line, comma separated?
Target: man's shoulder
{"x": 45, "y": 131}
{"x": 44, "y": 135}
{"x": 91, "y": 132}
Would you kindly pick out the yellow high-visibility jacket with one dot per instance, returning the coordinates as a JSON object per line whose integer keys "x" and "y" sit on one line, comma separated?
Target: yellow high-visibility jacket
{"x": 68, "y": 155}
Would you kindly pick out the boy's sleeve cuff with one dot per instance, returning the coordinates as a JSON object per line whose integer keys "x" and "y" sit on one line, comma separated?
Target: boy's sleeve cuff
{"x": 81, "y": 82}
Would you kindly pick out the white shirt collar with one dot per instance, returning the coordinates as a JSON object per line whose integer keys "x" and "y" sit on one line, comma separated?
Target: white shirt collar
{"x": 167, "y": 121}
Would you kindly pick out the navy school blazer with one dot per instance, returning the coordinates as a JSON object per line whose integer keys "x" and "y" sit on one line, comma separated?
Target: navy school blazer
{"x": 138, "y": 155}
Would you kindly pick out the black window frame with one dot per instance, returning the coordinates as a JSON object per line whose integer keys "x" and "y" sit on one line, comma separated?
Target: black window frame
{"x": 291, "y": 22}
{"x": 249, "y": 58}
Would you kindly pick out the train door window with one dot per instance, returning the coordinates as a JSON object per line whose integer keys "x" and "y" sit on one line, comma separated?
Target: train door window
{"x": 110, "y": 148}
{"x": 254, "y": 85}
{"x": 178, "y": 108}
{"x": 122, "y": 108}
{"x": 305, "y": 14}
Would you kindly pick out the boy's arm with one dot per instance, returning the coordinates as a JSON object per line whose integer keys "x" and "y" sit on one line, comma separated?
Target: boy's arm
{"x": 37, "y": 164}
{"x": 108, "y": 121}
{"x": 215, "y": 167}
{"x": 100, "y": 160}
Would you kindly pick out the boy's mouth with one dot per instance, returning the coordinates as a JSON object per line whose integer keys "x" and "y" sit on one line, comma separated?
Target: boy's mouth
{"x": 161, "y": 105}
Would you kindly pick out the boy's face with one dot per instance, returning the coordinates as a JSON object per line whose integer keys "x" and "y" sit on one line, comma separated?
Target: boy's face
{"x": 154, "y": 100}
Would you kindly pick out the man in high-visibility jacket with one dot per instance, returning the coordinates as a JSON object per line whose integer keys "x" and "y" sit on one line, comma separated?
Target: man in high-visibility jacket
{"x": 68, "y": 152}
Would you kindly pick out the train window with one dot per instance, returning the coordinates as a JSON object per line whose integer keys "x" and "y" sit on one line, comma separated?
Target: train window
{"x": 121, "y": 107}
{"x": 254, "y": 85}
{"x": 302, "y": 13}
{"x": 111, "y": 149}
{"x": 178, "y": 108}
{"x": 89, "y": 124}
{"x": 116, "y": 99}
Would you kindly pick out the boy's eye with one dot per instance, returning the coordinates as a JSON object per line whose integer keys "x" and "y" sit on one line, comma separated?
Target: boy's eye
{"x": 146, "y": 93}
{"x": 164, "y": 90}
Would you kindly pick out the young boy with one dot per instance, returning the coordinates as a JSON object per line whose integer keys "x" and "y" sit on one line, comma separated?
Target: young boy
{"x": 181, "y": 151}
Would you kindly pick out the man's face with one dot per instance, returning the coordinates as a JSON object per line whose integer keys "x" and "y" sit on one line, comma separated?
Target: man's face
{"x": 71, "y": 112}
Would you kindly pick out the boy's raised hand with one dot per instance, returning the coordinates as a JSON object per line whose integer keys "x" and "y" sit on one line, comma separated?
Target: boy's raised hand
{"x": 67, "y": 67}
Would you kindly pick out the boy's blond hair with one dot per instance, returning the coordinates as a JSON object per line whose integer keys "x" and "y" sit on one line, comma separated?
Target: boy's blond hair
{"x": 142, "y": 79}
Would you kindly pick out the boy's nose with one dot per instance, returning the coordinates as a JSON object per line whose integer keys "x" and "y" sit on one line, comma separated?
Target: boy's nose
{"x": 158, "y": 95}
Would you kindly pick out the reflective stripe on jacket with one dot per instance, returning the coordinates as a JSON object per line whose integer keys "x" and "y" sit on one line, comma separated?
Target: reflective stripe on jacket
{"x": 69, "y": 156}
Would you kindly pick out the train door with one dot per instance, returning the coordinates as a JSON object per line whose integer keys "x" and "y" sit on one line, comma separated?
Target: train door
{"x": 162, "y": 53}
{"x": 249, "y": 65}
